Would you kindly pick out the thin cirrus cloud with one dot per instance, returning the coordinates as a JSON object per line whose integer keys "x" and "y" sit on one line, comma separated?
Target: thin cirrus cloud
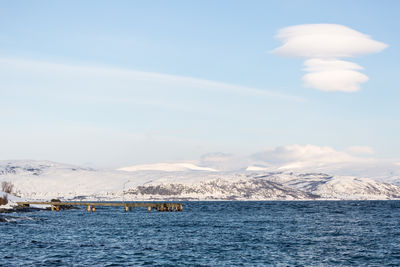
{"x": 323, "y": 46}
{"x": 85, "y": 76}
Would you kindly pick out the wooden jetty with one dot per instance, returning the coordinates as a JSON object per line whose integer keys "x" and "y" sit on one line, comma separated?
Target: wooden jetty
{"x": 91, "y": 206}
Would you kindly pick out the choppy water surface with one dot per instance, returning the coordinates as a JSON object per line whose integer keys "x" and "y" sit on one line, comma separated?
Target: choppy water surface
{"x": 209, "y": 233}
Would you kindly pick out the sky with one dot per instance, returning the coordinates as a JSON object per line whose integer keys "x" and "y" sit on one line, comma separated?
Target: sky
{"x": 118, "y": 83}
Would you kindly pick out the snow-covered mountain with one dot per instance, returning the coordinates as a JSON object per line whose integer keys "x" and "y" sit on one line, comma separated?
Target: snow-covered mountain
{"x": 185, "y": 181}
{"x": 169, "y": 167}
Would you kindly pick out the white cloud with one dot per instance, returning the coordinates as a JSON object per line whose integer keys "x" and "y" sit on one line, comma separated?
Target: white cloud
{"x": 302, "y": 155}
{"x": 323, "y": 44}
{"x": 289, "y": 157}
{"x": 355, "y": 160}
{"x": 325, "y": 41}
{"x": 315, "y": 65}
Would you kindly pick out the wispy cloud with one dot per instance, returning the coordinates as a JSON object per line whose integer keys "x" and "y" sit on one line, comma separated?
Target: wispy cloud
{"x": 78, "y": 70}
{"x": 323, "y": 45}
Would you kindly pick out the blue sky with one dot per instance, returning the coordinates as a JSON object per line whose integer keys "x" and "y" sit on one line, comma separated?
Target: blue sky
{"x": 113, "y": 83}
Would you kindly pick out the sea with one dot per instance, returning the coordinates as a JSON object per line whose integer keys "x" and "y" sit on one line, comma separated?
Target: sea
{"x": 231, "y": 233}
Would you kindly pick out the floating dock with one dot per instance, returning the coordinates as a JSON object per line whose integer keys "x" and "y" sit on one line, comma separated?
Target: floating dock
{"x": 91, "y": 206}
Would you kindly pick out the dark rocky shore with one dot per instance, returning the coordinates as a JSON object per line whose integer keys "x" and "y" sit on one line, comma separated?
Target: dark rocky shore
{"x": 19, "y": 209}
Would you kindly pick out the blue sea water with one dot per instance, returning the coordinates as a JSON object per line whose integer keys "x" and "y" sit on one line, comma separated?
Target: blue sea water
{"x": 268, "y": 233}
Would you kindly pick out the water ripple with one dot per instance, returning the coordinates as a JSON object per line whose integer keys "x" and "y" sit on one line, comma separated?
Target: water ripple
{"x": 308, "y": 233}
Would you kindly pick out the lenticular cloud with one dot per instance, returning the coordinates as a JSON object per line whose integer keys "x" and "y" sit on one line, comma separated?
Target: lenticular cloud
{"x": 323, "y": 45}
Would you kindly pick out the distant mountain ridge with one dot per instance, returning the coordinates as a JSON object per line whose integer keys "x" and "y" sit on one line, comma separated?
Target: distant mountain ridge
{"x": 185, "y": 181}
{"x": 169, "y": 167}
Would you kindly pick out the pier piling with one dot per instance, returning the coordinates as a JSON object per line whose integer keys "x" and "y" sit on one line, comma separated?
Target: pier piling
{"x": 91, "y": 206}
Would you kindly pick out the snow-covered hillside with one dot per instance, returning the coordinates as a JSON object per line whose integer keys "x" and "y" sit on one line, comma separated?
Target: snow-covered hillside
{"x": 46, "y": 180}
{"x": 12, "y": 200}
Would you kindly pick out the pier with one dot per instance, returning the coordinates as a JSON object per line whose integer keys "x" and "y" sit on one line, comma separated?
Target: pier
{"x": 91, "y": 206}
